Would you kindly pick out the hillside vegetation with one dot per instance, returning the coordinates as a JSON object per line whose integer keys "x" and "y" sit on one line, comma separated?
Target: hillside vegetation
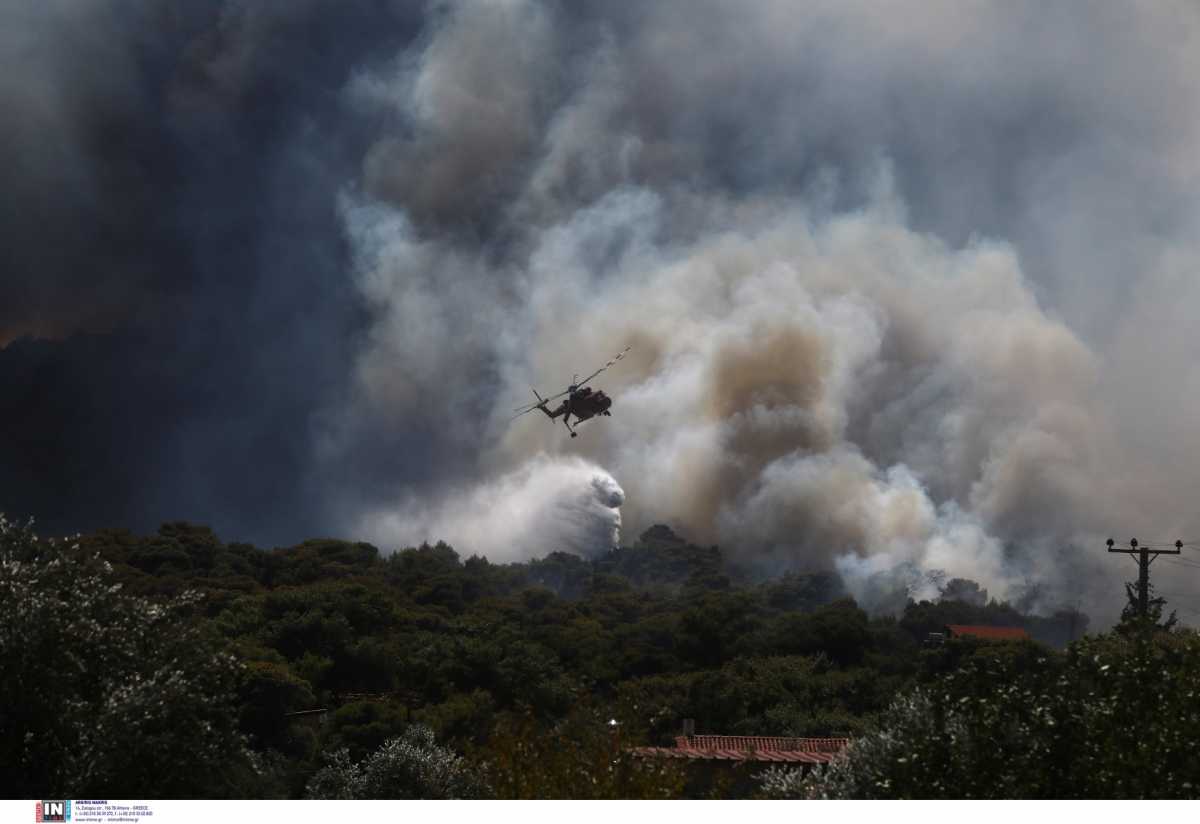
{"x": 170, "y": 665}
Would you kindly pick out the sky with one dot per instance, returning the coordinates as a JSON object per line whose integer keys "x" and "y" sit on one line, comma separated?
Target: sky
{"x": 908, "y": 285}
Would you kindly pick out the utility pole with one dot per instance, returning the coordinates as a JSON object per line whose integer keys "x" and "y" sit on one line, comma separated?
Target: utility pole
{"x": 1146, "y": 556}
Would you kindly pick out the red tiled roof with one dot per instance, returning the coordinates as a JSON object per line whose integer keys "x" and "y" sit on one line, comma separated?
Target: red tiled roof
{"x": 988, "y": 633}
{"x": 748, "y": 748}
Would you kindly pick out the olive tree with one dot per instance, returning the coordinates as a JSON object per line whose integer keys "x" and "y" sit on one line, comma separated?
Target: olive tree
{"x": 105, "y": 694}
{"x": 1113, "y": 717}
{"x": 412, "y": 766}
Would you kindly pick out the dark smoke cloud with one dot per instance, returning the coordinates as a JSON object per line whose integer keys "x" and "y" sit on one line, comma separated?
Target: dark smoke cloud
{"x": 170, "y": 221}
{"x": 899, "y": 278}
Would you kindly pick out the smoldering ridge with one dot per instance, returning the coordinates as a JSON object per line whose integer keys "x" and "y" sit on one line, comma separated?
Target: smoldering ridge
{"x": 861, "y": 348}
{"x": 888, "y": 275}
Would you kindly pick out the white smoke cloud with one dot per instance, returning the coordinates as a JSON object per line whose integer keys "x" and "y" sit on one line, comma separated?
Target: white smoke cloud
{"x": 758, "y": 349}
{"x": 548, "y": 504}
{"x": 869, "y": 264}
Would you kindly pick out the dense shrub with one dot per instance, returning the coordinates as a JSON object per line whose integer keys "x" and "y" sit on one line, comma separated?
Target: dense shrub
{"x": 412, "y": 766}
{"x": 105, "y": 694}
{"x": 1114, "y": 717}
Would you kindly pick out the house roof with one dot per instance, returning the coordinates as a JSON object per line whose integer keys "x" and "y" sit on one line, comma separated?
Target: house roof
{"x": 988, "y": 633}
{"x": 748, "y": 748}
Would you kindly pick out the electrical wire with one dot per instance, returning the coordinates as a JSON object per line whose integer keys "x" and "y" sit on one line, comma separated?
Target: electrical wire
{"x": 1181, "y": 562}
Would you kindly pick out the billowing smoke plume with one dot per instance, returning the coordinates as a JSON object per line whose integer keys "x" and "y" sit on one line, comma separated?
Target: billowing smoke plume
{"x": 546, "y": 505}
{"x": 851, "y": 275}
{"x": 807, "y": 390}
{"x": 908, "y": 286}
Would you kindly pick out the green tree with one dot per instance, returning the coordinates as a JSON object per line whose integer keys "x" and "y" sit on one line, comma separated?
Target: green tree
{"x": 412, "y": 766}
{"x": 267, "y": 691}
{"x": 360, "y": 727}
{"x": 1114, "y": 717}
{"x": 576, "y": 757}
{"x": 840, "y": 630}
{"x": 106, "y": 694}
{"x": 1133, "y": 622}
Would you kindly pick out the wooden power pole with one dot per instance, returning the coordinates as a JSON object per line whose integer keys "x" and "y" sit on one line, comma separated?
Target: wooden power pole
{"x": 1145, "y": 557}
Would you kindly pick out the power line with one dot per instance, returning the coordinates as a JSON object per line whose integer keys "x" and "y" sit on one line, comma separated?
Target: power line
{"x": 1177, "y": 595}
{"x": 1182, "y": 562}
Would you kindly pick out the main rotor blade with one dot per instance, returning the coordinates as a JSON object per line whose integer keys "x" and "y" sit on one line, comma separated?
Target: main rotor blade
{"x": 521, "y": 410}
{"x": 605, "y": 366}
{"x": 529, "y": 406}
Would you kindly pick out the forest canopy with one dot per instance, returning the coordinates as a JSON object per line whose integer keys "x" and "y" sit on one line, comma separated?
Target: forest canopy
{"x": 328, "y": 669}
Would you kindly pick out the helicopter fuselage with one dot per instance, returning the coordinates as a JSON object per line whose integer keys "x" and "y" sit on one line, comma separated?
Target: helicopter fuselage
{"x": 582, "y": 404}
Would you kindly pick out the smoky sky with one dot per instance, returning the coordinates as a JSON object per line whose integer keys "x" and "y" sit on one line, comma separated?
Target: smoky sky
{"x": 909, "y": 285}
{"x": 173, "y": 293}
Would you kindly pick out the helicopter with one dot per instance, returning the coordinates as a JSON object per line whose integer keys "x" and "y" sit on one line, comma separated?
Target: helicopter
{"x": 581, "y": 400}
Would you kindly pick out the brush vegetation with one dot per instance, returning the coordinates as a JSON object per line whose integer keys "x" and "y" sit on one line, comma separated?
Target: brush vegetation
{"x": 169, "y": 665}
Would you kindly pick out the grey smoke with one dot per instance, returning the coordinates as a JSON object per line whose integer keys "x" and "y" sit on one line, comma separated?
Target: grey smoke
{"x": 871, "y": 263}
{"x": 908, "y": 285}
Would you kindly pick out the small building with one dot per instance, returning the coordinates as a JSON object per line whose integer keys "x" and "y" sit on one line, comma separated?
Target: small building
{"x": 733, "y": 765}
{"x": 752, "y": 748}
{"x": 986, "y": 633}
